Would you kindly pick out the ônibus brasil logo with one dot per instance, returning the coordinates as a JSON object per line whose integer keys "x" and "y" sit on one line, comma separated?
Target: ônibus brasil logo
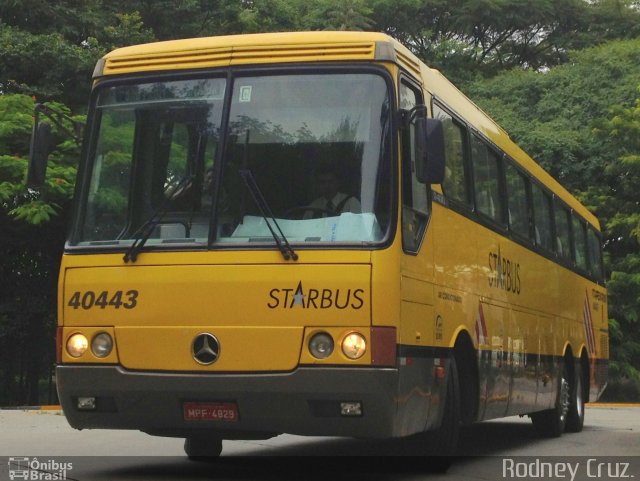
{"x": 37, "y": 470}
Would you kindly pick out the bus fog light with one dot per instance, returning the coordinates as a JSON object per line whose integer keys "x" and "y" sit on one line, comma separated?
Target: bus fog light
{"x": 354, "y": 345}
{"x": 321, "y": 345}
{"x": 77, "y": 345}
{"x": 351, "y": 409}
{"x": 86, "y": 403}
{"x": 102, "y": 345}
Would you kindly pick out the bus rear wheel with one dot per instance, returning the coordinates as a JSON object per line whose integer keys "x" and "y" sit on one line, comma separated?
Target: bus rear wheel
{"x": 202, "y": 448}
{"x": 575, "y": 416}
{"x": 552, "y": 423}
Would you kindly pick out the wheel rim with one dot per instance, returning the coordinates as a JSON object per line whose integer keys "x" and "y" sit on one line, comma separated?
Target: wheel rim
{"x": 565, "y": 394}
{"x": 579, "y": 403}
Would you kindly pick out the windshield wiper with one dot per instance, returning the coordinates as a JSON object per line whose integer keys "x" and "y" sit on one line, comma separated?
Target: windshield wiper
{"x": 283, "y": 244}
{"x": 144, "y": 231}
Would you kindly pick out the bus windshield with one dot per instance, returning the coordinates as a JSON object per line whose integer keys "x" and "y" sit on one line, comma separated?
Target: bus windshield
{"x": 317, "y": 145}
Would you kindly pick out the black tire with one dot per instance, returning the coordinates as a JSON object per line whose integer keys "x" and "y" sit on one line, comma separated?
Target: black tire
{"x": 202, "y": 449}
{"x": 433, "y": 451}
{"x": 443, "y": 442}
{"x": 575, "y": 416}
{"x": 552, "y": 422}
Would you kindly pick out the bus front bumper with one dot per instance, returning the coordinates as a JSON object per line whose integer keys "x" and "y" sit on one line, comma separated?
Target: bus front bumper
{"x": 306, "y": 401}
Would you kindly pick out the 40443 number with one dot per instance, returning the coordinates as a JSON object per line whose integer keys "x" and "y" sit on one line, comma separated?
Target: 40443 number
{"x": 104, "y": 299}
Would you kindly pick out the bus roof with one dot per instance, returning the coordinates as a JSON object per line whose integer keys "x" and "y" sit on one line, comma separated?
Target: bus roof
{"x": 264, "y": 48}
{"x": 244, "y": 49}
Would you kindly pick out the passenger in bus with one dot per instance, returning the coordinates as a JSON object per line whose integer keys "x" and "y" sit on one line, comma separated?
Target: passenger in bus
{"x": 330, "y": 202}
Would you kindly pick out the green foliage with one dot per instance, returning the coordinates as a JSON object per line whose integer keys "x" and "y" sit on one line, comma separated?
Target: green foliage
{"x": 566, "y": 120}
{"x": 35, "y": 212}
{"x": 341, "y": 15}
{"x": 129, "y": 30}
{"x": 580, "y": 120}
{"x": 16, "y": 118}
{"x": 470, "y": 38}
{"x": 46, "y": 66}
{"x": 622, "y": 131}
{"x": 271, "y": 16}
{"x": 622, "y": 390}
{"x": 170, "y": 19}
{"x": 33, "y": 226}
{"x": 16, "y": 113}
{"x": 12, "y": 171}
{"x": 552, "y": 114}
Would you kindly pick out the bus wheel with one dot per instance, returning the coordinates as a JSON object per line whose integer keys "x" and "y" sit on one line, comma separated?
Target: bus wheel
{"x": 202, "y": 449}
{"x": 575, "y": 416}
{"x": 444, "y": 441}
{"x": 552, "y": 423}
{"x": 434, "y": 450}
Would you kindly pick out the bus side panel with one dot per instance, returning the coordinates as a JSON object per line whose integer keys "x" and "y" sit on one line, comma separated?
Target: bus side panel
{"x": 419, "y": 392}
{"x": 495, "y": 369}
{"x": 524, "y": 381}
{"x": 416, "y": 367}
{"x": 517, "y": 344}
{"x": 546, "y": 366}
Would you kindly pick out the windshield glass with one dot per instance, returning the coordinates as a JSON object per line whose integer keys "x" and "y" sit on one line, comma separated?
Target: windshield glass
{"x": 151, "y": 137}
{"x": 317, "y": 145}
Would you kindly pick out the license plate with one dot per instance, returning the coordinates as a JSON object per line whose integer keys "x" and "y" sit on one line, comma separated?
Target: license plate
{"x": 210, "y": 411}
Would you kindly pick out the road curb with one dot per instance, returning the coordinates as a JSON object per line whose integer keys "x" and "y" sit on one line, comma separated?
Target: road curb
{"x": 613, "y": 405}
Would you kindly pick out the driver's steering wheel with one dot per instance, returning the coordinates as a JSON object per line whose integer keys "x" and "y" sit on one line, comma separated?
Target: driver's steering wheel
{"x": 307, "y": 208}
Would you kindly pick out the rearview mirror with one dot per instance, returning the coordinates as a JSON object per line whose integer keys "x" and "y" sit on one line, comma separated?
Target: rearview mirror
{"x": 429, "y": 150}
{"x": 38, "y": 154}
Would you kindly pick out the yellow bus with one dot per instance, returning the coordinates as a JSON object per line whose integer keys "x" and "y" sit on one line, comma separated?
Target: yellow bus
{"x": 315, "y": 233}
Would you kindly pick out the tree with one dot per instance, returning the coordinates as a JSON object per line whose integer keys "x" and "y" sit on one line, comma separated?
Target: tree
{"x": 467, "y": 38}
{"x": 46, "y": 66}
{"x": 552, "y": 113}
{"x": 270, "y": 16}
{"x": 48, "y": 50}
{"x": 341, "y": 15}
{"x": 33, "y": 226}
{"x": 621, "y": 203}
{"x": 557, "y": 116}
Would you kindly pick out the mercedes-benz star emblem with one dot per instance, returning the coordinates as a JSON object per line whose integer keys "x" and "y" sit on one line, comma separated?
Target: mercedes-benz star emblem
{"x": 205, "y": 349}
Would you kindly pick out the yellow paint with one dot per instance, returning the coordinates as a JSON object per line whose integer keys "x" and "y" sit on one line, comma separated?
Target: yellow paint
{"x": 224, "y": 295}
{"x": 241, "y": 348}
{"x": 229, "y": 292}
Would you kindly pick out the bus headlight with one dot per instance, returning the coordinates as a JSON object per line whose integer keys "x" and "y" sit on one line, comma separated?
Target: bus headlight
{"x": 321, "y": 345}
{"x": 354, "y": 345}
{"x": 77, "y": 345}
{"x": 102, "y": 345}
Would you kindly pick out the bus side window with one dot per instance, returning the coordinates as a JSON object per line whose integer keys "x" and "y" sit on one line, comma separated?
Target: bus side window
{"x": 454, "y": 186}
{"x": 542, "y": 218}
{"x": 486, "y": 173}
{"x": 595, "y": 253}
{"x": 415, "y": 208}
{"x": 517, "y": 201}
{"x": 579, "y": 243}
{"x": 563, "y": 245}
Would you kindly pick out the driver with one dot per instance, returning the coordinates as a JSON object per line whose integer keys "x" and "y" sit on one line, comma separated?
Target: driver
{"x": 331, "y": 202}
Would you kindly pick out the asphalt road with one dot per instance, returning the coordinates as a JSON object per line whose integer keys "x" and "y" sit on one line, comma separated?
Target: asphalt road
{"x": 503, "y": 449}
